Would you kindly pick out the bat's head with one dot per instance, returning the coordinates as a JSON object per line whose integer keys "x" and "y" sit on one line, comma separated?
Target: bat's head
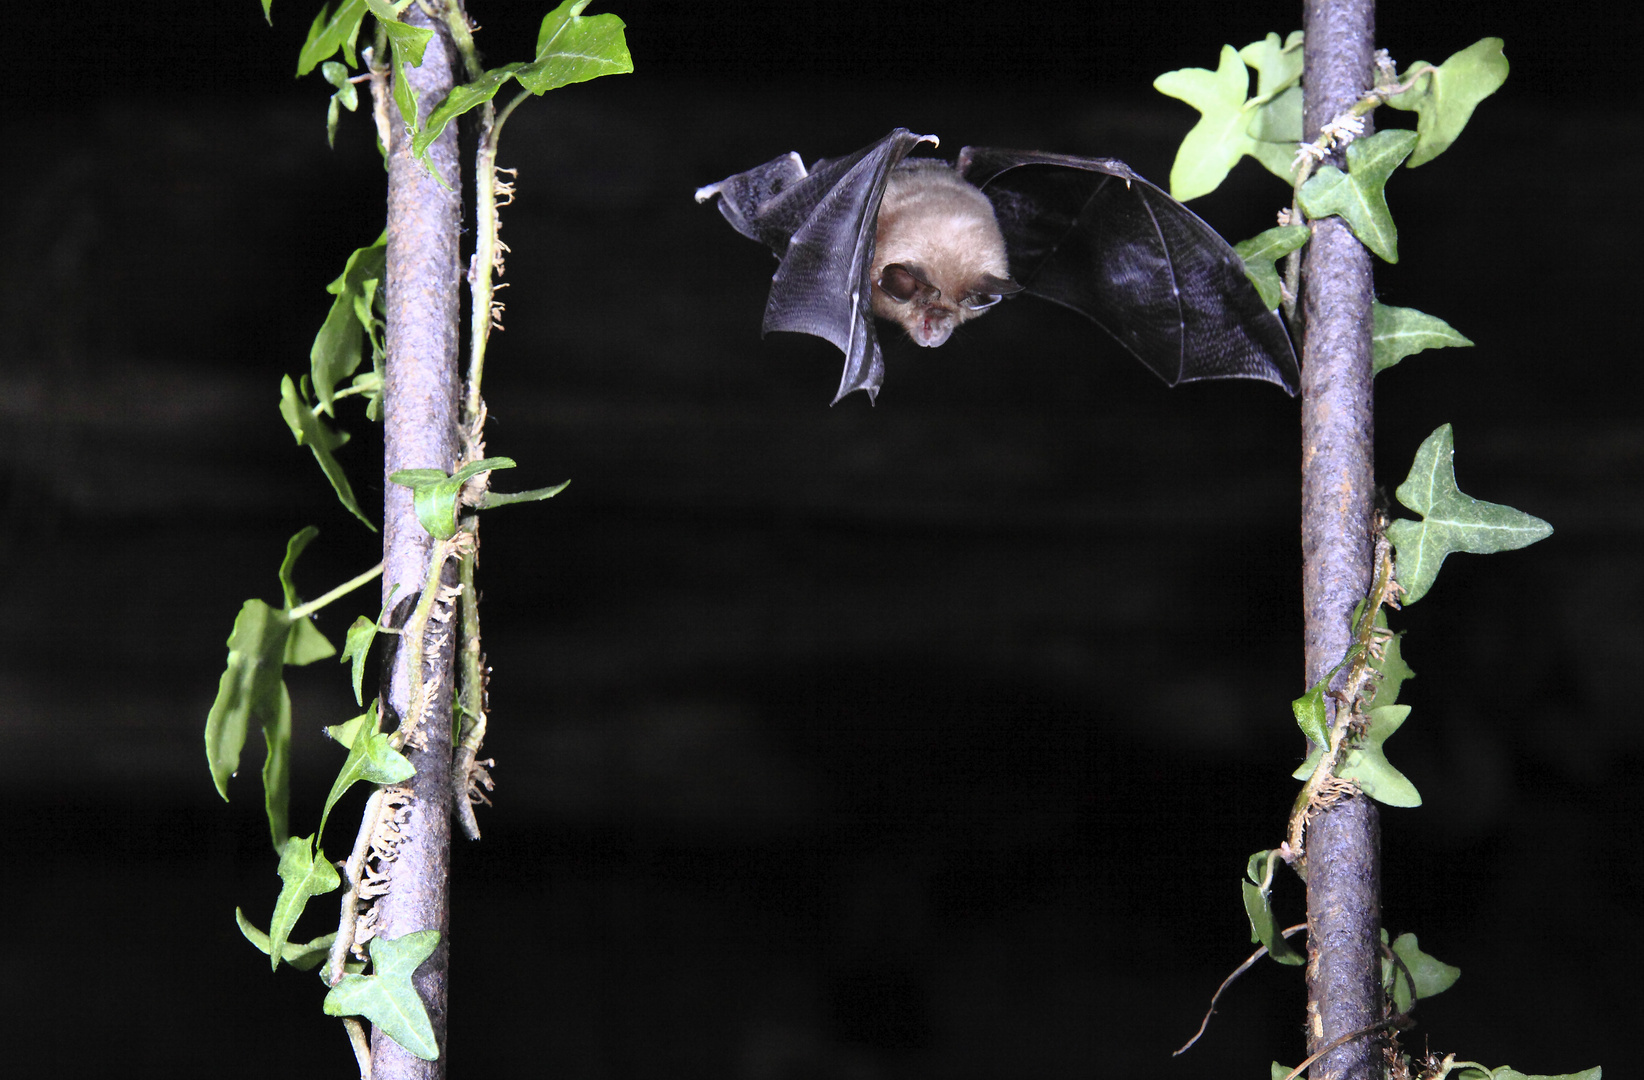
{"x": 939, "y": 258}
{"x": 930, "y": 305}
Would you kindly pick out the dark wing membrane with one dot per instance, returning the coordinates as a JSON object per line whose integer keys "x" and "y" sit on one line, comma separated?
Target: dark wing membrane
{"x": 821, "y": 225}
{"x": 1091, "y": 235}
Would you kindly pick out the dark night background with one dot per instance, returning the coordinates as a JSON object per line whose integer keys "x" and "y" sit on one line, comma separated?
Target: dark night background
{"x": 922, "y": 740}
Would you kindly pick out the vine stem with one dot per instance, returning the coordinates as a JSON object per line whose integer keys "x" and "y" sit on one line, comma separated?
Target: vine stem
{"x": 304, "y": 610}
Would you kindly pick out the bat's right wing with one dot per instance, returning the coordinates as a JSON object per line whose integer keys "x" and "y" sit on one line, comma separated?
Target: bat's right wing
{"x": 821, "y": 224}
{"x": 1092, "y": 235}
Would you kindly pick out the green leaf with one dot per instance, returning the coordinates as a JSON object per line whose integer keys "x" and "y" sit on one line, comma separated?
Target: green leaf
{"x": 1394, "y": 671}
{"x": 251, "y": 689}
{"x": 460, "y": 100}
{"x": 492, "y": 499}
{"x": 1443, "y": 99}
{"x": 1451, "y": 521}
{"x": 405, "y": 98}
{"x": 1359, "y": 195}
{"x": 1276, "y": 127}
{"x": 1402, "y": 331}
{"x": 305, "y": 644}
{"x": 1279, "y": 65}
{"x": 1262, "y": 251}
{"x": 356, "y": 649}
{"x": 386, "y": 997}
{"x": 311, "y": 431}
{"x": 1473, "y": 1072}
{"x": 346, "y": 731}
{"x": 1220, "y": 138}
{"x": 327, "y": 35}
{"x": 277, "y": 770}
{"x": 1366, "y": 764}
{"x": 573, "y": 48}
{"x": 408, "y": 41}
{"x": 302, "y": 957}
{"x": 347, "y": 96}
{"x": 268, "y": 12}
{"x": 434, "y": 494}
{"x": 1431, "y": 976}
{"x": 370, "y": 758}
{"x": 304, "y": 876}
{"x": 1264, "y": 928}
{"x": 337, "y": 349}
{"x": 1307, "y": 768}
{"x": 1275, "y": 1071}
{"x": 1311, "y": 716}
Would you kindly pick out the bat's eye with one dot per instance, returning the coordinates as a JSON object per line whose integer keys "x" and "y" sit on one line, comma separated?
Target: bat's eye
{"x": 903, "y": 284}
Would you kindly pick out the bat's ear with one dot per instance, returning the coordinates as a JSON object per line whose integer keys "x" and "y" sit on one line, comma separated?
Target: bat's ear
{"x": 902, "y": 283}
{"x": 989, "y": 290}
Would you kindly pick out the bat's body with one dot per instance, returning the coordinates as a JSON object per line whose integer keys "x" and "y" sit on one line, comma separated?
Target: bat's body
{"x": 930, "y": 246}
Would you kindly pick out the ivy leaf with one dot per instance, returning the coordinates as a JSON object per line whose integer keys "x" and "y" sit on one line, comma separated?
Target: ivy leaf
{"x": 1402, "y": 331}
{"x": 1431, "y": 976}
{"x": 370, "y": 758}
{"x": 327, "y": 35}
{"x": 492, "y": 499}
{"x": 434, "y": 495}
{"x": 573, "y": 48}
{"x": 1220, "y": 138}
{"x": 1444, "y": 98}
{"x": 1279, "y": 65}
{"x": 1311, "y": 716}
{"x": 357, "y": 647}
{"x": 1262, "y": 251}
{"x": 1264, "y": 928}
{"x": 1473, "y": 1072}
{"x": 1276, "y": 128}
{"x": 346, "y": 731}
{"x": 337, "y": 349}
{"x": 460, "y": 100}
{"x": 1394, "y": 671}
{"x": 1451, "y": 521}
{"x": 311, "y": 431}
{"x": 304, "y": 876}
{"x": 1358, "y": 195}
{"x": 1366, "y": 764}
{"x": 251, "y": 689}
{"x": 408, "y": 41}
{"x": 347, "y": 96}
{"x": 305, "y": 644}
{"x": 302, "y": 957}
{"x": 1275, "y": 1071}
{"x": 386, "y": 997}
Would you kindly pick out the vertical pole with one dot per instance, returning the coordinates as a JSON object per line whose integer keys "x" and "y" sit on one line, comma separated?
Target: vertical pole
{"x": 1343, "y": 843}
{"x": 420, "y": 430}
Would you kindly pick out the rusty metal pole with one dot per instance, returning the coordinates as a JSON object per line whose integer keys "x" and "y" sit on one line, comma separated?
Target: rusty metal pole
{"x": 1343, "y": 842}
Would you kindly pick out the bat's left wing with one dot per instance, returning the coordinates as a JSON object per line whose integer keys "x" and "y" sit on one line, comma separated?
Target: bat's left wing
{"x": 821, "y": 225}
{"x": 1092, "y": 235}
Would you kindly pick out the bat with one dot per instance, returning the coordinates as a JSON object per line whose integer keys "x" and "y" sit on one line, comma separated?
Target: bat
{"x": 929, "y": 246}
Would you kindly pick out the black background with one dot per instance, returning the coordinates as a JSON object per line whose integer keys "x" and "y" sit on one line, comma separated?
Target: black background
{"x": 926, "y": 739}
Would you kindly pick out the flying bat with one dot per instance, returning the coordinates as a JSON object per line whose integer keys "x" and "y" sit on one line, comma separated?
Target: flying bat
{"x": 929, "y": 245}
